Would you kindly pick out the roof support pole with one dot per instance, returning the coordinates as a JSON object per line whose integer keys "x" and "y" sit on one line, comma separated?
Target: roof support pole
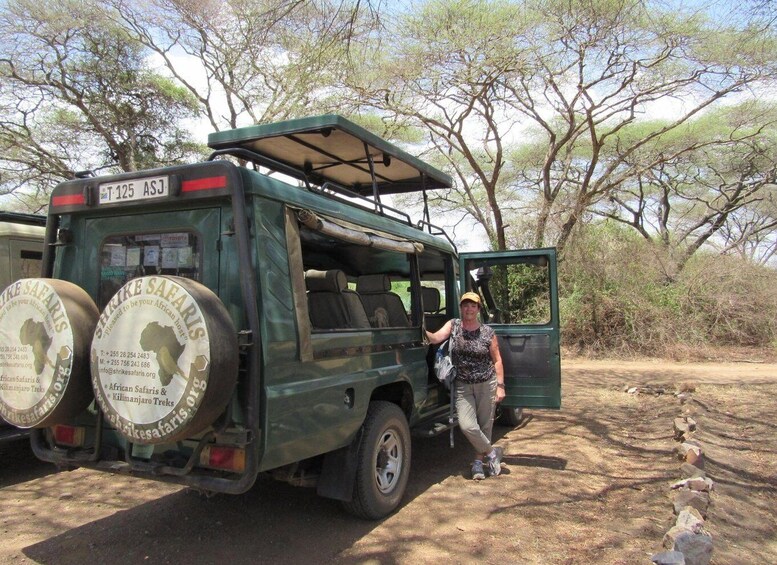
{"x": 375, "y": 193}
{"x": 426, "y": 215}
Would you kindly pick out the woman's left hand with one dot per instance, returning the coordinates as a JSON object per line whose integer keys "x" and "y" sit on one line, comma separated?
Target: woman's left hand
{"x": 500, "y": 393}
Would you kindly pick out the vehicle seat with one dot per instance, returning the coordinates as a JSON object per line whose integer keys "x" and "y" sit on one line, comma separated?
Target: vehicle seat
{"x": 384, "y": 308}
{"x": 331, "y": 304}
{"x": 433, "y": 318}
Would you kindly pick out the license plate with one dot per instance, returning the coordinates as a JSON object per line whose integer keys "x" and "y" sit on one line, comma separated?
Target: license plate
{"x": 134, "y": 189}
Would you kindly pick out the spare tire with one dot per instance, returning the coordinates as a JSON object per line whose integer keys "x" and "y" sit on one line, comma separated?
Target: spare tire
{"x": 164, "y": 359}
{"x": 46, "y": 326}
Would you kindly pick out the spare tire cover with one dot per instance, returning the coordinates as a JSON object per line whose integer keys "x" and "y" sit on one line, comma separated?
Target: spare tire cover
{"x": 164, "y": 359}
{"x": 46, "y": 326}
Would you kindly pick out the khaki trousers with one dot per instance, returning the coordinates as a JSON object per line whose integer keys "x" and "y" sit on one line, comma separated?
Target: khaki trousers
{"x": 475, "y": 407}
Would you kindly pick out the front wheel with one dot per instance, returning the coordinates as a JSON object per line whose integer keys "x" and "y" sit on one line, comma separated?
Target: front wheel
{"x": 383, "y": 464}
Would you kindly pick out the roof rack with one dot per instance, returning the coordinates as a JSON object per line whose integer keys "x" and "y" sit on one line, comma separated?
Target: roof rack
{"x": 334, "y": 154}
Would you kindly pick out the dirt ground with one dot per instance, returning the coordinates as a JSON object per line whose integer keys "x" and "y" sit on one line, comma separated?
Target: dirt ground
{"x": 586, "y": 484}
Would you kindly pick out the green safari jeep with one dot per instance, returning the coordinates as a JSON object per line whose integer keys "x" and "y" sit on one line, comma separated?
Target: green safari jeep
{"x": 261, "y": 311}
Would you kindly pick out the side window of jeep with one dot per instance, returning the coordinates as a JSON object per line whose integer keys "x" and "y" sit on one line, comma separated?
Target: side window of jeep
{"x": 438, "y": 290}
{"x": 352, "y": 285}
{"x": 125, "y": 257}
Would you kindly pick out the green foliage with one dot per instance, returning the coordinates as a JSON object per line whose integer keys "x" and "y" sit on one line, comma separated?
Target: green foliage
{"x": 78, "y": 92}
{"x": 616, "y": 297}
{"x": 521, "y": 293}
{"x": 397, "y": 131}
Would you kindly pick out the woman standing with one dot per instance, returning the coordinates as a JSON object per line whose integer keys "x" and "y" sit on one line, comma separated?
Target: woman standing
{"x": 479, "y": 383}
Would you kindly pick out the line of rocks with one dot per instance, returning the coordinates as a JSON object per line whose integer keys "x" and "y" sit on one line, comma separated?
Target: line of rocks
{"x": 687, "y": 542}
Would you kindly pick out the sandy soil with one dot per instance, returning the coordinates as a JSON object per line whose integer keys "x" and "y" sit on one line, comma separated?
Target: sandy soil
{"x": 586, "y": 484}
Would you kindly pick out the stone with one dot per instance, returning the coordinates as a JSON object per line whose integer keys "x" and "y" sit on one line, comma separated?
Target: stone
{"x": 693, "y": 456}
{"x": 696, "y": 548}
{"x": 646, "y": 389}
{"x": 675, "y": 532}
{"x": 691, "y": 423}
{"x": 690, "y": 452}
{"x": 681, "y": 428}
{"x": 684, "y": 397}
{"x": 698, "y": 500}
{"x": 701, "y": 484}
{"x": 690, "y": 519}
{"x": 687, "y": 470}
{"x": 668, "y": 558}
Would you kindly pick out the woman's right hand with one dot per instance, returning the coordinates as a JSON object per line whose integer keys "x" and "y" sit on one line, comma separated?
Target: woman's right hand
{"x": 440, "y": 335}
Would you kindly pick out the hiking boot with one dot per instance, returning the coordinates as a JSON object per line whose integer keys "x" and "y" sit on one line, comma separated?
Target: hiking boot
{"x": 495, "y": 461}
{"x": 477, "y": 470}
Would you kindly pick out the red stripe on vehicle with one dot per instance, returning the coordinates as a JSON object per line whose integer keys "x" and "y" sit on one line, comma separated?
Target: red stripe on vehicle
{"x": 208, "y": 183}
{"x": 68, "y": 200}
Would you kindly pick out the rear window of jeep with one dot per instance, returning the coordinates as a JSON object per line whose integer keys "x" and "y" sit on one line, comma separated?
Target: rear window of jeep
{"x": 125, "y": 257}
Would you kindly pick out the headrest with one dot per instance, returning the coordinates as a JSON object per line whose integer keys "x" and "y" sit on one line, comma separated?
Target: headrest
{"x": 373, "y": 283}
{"x": 326, "y": 281}
{"x": 430, "y": 297}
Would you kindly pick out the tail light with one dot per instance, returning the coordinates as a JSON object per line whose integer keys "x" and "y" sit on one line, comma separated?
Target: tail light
{"x": 69, "y": 436}
{"x": 207, "y": 183}
{"x": 224, "y": 458}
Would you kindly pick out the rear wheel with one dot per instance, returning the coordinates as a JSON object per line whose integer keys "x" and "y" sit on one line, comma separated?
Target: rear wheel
{"x": 510, "y": 417}
{"x": 383, "y": 462}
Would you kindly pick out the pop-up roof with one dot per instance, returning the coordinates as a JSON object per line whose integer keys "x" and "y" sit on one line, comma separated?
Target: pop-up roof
{"x": 331, "y": 148}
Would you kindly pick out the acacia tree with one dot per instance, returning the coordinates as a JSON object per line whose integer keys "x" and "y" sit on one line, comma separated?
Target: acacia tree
{"x": 720, "y": 193}
{"x": 607, "y": 64}
{"x": 480, "y": 76}
{"x": 76, "y": 94}
{"x": 440, "y": 69}
{"x": 751, "y": 233}
{"x": 255, "y": 60}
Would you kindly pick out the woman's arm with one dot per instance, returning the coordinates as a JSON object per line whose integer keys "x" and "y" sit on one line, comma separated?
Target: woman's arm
{"x": 496, "y": 357}
{"x": 440, "y": 335}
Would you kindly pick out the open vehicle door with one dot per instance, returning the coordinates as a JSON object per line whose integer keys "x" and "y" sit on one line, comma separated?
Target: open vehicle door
{"x": 519, "y": 290}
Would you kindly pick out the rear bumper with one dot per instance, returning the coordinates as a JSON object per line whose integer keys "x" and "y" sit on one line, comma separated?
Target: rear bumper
{"x": 187, "y": 475}
{"x": 11, "y": 433}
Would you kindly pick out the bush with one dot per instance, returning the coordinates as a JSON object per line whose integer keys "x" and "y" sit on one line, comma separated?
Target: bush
{"x": 730, "y": 300}
{"x": 617, "y": 296}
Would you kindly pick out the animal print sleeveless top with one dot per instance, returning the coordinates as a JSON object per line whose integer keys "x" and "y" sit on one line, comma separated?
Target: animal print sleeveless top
{"x": 471, "y": 353}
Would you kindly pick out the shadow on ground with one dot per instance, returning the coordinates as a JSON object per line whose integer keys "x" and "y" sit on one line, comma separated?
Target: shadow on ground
{"x": 272, "y": 522}
{"x": 18, "y": 464}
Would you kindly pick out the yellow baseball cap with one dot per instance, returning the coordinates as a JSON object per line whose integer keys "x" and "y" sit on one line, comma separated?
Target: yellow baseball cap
{"x": 473, "y": 296}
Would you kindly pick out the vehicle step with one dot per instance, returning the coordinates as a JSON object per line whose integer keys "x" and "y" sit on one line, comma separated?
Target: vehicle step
{"x": 434, "y": 428}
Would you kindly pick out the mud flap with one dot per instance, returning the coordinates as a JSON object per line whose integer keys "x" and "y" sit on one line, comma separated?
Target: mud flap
{"x": 339, "y": 471}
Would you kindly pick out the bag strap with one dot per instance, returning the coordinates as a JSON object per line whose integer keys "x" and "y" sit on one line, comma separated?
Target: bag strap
{"x": 454, "y": 333}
